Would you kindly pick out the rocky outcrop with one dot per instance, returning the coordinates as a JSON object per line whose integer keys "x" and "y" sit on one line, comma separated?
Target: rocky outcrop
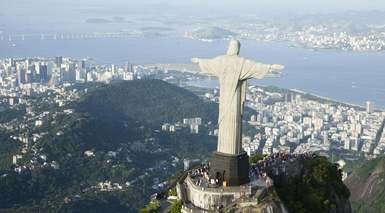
{"x": 268, "y": 204}
{"x": 272, "y": 207}
{"x": 367, "y": 186}
{"x": 309, "y": 183}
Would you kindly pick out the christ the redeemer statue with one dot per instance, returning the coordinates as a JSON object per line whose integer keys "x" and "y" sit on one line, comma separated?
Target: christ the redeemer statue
{"x": 232, "y": 72}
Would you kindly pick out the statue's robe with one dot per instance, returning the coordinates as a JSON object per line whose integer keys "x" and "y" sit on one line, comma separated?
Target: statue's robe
{"x": 232, "y": 73}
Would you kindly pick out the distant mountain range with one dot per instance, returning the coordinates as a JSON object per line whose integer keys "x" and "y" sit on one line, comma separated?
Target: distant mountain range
{"x": 211, "y": 33}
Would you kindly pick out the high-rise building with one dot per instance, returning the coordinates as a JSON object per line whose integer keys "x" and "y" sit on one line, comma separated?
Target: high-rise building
{"x": 43, "y": 73}
{"x": 129, "y": 67}
{"x": 298, "y": 99}
{"x": 369, "y": 107}
{"x": 80, "y": 74}
{"x": 355, "y": 146}
{"x": 68, "y": 73}
{"x": 28, "y": 76}
{"x": 58, "y": 61}
{"x": 288, "y": 97}
{"x": 83, "y": 64}
{"x": 33, "y": 70}
{"x": 21, "y": 76}
{"x": 12, "y": 62}
{"x": 55, "y": 79}
{"x": 72, "y": 73}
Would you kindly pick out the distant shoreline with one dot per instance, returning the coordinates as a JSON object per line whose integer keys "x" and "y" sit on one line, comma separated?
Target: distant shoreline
{"x": 194, "y": 69}
{"x": 327, "y": 98}
{"x": 321, "y": 98}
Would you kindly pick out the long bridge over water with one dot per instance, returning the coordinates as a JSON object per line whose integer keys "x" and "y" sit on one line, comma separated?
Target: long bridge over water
{"x": 67, "y": 36}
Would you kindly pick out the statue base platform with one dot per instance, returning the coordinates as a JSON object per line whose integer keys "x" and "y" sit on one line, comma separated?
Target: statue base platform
{"x": 231, "y": 169}
{"x": 199, "y": 197}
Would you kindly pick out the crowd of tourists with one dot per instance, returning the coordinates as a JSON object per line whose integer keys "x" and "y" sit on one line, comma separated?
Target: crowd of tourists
{"x": 200, "y": 175}
{"x": 267, "y": 169}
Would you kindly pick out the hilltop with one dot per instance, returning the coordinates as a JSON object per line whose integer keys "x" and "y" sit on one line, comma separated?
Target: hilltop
{"x": 146, "y": 101}
{"x": 301, "y": 183}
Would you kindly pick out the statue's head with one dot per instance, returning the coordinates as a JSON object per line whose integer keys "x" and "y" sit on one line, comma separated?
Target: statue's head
{"x": 234, "y": 47}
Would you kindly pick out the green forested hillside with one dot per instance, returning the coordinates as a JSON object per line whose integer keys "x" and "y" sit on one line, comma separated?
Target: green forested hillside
{"x": 8, "y": 148}
{"x": 146, "y": 101}
{"x": 119, "y": 124}
{"x": 315, "y": 185}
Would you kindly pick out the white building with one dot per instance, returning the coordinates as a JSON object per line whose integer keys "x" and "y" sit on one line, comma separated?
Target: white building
{"x": 369, "y": 107}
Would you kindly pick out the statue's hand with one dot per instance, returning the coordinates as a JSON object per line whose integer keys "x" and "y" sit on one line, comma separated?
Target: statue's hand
{"x": 195, "y": 60}
{"x": 277, "y": 67}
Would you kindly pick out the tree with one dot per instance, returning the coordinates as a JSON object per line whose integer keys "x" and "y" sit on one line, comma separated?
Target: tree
{"x": 256, "y": 157}
{"x": 176, "y": 207}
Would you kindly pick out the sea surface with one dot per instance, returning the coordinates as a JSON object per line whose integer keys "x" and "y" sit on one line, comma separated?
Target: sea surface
{"x": 352, "y": 77}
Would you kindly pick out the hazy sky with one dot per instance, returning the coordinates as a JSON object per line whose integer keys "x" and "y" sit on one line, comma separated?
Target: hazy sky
{"x": 223, "y": 6}
{"x": 34, "y": 15}
{"x": 284, "y": 4}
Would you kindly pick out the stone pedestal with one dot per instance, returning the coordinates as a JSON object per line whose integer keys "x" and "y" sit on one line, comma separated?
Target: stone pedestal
{"x": 205, "y": 199}
{"x": 234, "y": 169}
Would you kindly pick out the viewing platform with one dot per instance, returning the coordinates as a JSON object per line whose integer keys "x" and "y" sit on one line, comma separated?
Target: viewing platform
{"x": 199, "y": 193}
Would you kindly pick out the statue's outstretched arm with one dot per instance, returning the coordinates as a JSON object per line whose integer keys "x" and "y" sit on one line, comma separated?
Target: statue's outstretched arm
{"x": 207, "y": 66}
{"x": 257, "y": 70}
